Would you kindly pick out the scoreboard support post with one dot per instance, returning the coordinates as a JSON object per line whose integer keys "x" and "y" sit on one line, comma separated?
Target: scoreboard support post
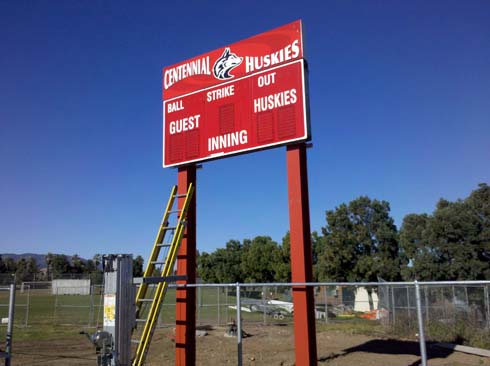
{"x": 185, "y": 330}
{"x": 301, "y": 255}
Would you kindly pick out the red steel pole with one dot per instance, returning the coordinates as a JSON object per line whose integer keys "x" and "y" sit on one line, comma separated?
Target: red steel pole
{"x": 185, "y": 330}
{"x": 301, "y": 256}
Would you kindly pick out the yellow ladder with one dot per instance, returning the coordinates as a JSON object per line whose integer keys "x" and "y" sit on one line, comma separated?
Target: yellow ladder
{"x": 146, "y": 318}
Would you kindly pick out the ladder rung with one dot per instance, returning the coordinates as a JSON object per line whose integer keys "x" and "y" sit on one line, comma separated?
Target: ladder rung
{"x": 169, "y": 227}
{"x": 174, "y": 211}
{"x": 137, "y": 341}
{"x": 157, "y": 262}
{"x": 145, "y": 300}
{"x": 180, "y": 195}
{"x": 164, "y": 245}
{"x": 153, "y": 280}
{"x": 140, "y": 320}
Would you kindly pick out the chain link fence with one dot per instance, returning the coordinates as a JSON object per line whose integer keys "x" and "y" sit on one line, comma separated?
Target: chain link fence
{"x": 455, "y": 312}
{"x": 451, "y": 312}
{"x": 78, "y": 306}
{"x": 393, "y": 304}
{"x": 39, "y": 304}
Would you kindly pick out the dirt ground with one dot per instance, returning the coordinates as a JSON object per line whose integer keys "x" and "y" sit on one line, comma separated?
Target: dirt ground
{"x": 266, "y": 345}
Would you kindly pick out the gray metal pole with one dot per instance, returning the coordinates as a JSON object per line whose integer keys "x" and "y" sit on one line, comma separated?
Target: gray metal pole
{"x": 454, "y": 309}
{"x": 10, "y": 327}
{"x": 239, "y": 325}
{"x": 408, "y": 307}
{"x": 28, "y": 302}
{"x": 443, "y": 302}
{"x": 219, "y": 309}
{"x": 119, "y": 294}
{"x": 423, "y": 350}
{"x": 264, "y": 314}
{"x": 91, "y": 306}
{"x": 199, "y": 304}
{"x": 226, "y": 305}
{"x": 55, "y": 317}
{"x": 487, "y": 305}
{"x": 426, "y": 304}
{"x": 393, "y": 303}
{"x": 325, "y": 289}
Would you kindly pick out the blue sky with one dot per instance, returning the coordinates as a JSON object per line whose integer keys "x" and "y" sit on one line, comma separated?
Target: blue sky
{"x": 399, "y": 97}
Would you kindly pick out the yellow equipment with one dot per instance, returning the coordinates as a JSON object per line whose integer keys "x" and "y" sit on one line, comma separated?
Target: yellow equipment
{"x": 149, "y": 298}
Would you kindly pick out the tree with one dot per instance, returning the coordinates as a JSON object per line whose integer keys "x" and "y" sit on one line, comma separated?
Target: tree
{"x": 97, "y": 258}
{"x": 479, "y": 204}
{"x": 360, "y": 243}
{"x": 451, "y": 244}
{"x": 138, "y": 266}
{"x": 77, "y": 264}
{"x": 9, "y": 265}
{"x": 260, "y": 261}
{"x": 282, "y": 262}
{"x": 90, "y": 266}
{"x": 224, "y": 265}
{"x": 227, "y": 261}
{"x": 206, "y": 267}
{"x": 59, "y": 265}
{"x": 32, "y": 268}
{"x": 318, "y": 245}
{"x": 21, "y": 272}
{"x": 421, "y": 255}
{"x": 2, "y": 265}
{"x": 49, "y": 265}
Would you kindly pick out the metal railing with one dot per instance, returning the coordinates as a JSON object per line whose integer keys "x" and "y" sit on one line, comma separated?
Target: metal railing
{"x": 78, "y": 310}
{"x": 422, "y": 311}
{"x": 387, "y": 305}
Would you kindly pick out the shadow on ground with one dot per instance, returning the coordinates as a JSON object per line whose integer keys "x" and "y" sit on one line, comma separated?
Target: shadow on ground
{"x": 391, "y": 347}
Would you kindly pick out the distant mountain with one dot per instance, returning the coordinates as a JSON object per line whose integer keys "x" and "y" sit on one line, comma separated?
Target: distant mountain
{"x": 40, "y": 258}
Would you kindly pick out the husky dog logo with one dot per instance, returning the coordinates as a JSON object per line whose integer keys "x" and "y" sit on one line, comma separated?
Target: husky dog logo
{"x": 225, "y": 64}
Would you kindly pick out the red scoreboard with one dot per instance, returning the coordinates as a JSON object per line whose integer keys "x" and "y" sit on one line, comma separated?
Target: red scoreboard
{"x": 247, "y": 96}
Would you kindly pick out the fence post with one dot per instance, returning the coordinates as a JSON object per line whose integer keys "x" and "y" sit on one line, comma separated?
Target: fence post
{"x": 408, "y": 308}
{"x": 100, "y": 307}
{"x": 219, "y": 309}
{"x": 226, "y": 304}
{"x": 487, "y": 305}
{"x": 454, "y": 302}
{"x": 91, "y": 306}
{"x": 10, "y": 327}
{"x": 28, "y": 303}
{"x": 393, "y": 303}
{"x": 443, "y": 302}
{"x": 55, "y": 315}
{"x": 423, "y": 351}
{"x": 426, "y": 304}
{"x": 264, "y": 304}
{"x": 325, "y": 289}
{"x": 199, "y": 304}
{"x": 239, "y": 325}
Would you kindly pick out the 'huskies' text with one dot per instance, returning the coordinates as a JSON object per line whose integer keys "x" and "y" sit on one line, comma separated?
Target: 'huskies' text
{"x": 290, "y": 52}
